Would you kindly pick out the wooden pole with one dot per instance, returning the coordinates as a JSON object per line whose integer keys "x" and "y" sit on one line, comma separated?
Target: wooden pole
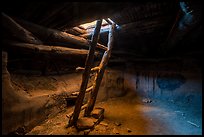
{"x": 47, "y": 50}
{"x": 85, "y": 76}
{"x": 109, "y": 21}
{"x": 52, "y": 36}
{"x": 100, "y": 73}
{"x": 18, "y": 31}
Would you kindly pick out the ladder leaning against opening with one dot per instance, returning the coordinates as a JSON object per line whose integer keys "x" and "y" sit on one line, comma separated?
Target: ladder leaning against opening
{"x": 87, "y": 71}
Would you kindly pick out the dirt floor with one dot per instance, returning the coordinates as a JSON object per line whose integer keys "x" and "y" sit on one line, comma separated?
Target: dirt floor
{"x": 127, "y": 115}
{"x": 131, "y": 115}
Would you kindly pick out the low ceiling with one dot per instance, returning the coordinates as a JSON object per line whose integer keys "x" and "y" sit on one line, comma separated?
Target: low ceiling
{"x": 145, "y": 25}
{"x": 69, "y": 14}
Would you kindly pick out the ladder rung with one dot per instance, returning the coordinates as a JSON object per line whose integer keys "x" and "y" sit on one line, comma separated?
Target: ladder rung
{"x": 80, "y": 69}
{"x": 87, "y": 90}
{"x": 92, "y": 69}
{"x": 95, "y": 68}
{"x": 82, "y": 108}
{"x": 101, "y": 46}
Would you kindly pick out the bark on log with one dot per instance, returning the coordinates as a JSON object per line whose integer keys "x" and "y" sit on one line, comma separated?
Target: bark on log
{"x": 48, "y": 50}
{"x": 75, "y": 31}
{"x": 85, "y": 76}
{"x": 52, "y": 36}
{"x": 99, "y": 75}
{"x": 86, "y": 35}
{"x": 71, "y": 31}
{"x": 81, "y": 31}
{"x": 81, "y": 27}
{"x": 18, "y": 31}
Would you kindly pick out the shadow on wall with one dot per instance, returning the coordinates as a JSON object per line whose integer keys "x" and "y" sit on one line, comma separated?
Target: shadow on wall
{"x": 177, "y": 87}
{"x": 112, "y": 85}
{"x": 20, "y": 112}
{"x": 170, "y": 81}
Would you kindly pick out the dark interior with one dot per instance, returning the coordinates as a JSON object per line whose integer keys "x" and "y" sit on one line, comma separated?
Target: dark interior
{"x": 152, "y": 84}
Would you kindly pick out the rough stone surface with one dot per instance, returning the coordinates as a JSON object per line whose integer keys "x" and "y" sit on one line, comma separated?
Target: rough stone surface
{"x": 104, "y": 123}
{"x": 115, "y": 131}
{"x": 86, "y": 132}
{"x": 85, "y": 123}
{"x": 117, "y": 123}
{"x": 129, "y": 130}
{"x": 97, "y": 112}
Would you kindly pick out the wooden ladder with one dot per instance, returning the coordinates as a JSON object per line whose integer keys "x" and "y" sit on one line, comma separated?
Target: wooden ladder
{"x": 87, "y": 71}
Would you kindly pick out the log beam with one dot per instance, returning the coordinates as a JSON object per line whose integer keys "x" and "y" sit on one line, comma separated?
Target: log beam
{"x": 79, "y": 30}
{"x": 48, "y": 50}
{"x": 18, "y": 31}
{"x": 52, "y": 36}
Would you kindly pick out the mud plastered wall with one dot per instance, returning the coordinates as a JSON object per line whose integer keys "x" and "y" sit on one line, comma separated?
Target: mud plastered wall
{"x": 112, "y": 84}
{"x": 182, "y": 86}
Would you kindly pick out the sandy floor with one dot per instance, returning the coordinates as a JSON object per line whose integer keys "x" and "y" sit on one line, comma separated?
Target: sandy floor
{"x": 129, "y": 115}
